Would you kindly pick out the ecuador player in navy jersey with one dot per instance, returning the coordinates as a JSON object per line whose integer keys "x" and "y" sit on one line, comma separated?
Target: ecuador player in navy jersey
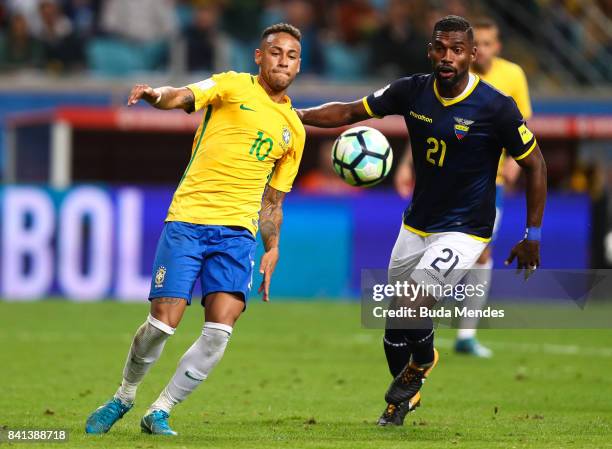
{"x": 510, "y": 79}
{"x": 458, "y": 125}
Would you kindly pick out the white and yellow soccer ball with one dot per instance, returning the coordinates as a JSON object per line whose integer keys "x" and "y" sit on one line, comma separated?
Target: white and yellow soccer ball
{"x": 362, "y": 156}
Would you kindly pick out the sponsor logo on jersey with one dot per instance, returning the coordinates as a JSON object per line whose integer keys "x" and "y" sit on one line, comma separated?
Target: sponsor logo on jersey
{"x": 525, "y": 134}
{"x": 244, "y": 107}
{"x": 160, "y": 275}
{"x": 462, "y": 126}
{"x": 421, "y": 117}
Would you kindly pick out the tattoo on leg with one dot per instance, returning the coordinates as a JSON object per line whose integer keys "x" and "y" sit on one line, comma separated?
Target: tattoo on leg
{"x": 172, "y": 301}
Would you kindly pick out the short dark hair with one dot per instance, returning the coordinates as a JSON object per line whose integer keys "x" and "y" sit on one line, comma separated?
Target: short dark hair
{"x": 454, "y": 23}
{"x": 485, "y": 22}
{"x": 282, "y": 28}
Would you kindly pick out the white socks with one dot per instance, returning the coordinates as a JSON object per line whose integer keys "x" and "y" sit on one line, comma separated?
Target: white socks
{"x": 146, "y": 348}
{"x": 479, "y": 274}
{"x": 195, "y": 366}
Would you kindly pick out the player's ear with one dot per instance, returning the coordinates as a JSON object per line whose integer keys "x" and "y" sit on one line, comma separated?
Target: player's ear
{"x": 429, "y": 47}
{"x": 473, "y": 53}
{"x": 258, "y": 56}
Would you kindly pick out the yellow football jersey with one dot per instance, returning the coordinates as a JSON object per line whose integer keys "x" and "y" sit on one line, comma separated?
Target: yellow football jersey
{"x": 510, "y": 79}
{"x": 245, "y": 141}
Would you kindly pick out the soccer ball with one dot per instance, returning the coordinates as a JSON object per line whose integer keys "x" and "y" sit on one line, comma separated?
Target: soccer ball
{"x": 362, "y": 156}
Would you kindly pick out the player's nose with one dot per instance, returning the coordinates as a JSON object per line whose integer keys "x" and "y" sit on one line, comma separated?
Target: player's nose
{"x": 448, "y": 56}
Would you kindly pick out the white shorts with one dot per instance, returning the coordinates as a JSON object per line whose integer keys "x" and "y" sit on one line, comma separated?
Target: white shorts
{"x": 436, "y": 259}
{"x": 498, "y": 218}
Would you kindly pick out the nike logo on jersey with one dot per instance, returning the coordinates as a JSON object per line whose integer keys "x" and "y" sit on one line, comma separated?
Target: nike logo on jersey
{"x": 246, "y": 108}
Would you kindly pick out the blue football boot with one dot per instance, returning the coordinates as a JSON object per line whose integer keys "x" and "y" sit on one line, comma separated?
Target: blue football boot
{"x": 471, "y": 346}
{"x": 103, "y": 418}
{"x": 156, "y": 423}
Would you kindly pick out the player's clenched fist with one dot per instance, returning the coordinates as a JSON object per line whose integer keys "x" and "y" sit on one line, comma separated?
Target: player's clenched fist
{"x": 145, "y": 92}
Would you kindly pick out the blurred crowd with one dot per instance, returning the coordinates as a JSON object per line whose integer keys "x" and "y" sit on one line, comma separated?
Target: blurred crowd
{"x": 342, "y": 39}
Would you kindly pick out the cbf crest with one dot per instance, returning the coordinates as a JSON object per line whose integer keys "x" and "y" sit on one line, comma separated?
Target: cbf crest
{"x": 160, "y": 275}
{"x": 462, "y": 126}
{"x": 286, "y": 138}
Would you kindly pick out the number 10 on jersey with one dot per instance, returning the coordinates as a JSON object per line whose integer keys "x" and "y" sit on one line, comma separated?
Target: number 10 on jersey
{"x": 258, "y": 143}
{"x": 435, "y": 146}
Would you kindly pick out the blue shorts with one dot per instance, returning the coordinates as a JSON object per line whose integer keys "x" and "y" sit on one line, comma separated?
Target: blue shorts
{"x": 499, "y": 209}
{"x": 222, "y": 257}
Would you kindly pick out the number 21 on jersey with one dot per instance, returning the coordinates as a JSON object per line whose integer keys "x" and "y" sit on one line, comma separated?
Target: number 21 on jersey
{"x": 434, "y": 147}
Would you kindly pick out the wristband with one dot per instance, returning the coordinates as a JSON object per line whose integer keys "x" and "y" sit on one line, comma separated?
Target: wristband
{"x": 533, "y": 233}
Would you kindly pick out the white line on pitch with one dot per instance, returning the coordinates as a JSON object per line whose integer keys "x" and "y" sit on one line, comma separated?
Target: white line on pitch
{"x": 546, "y": 348}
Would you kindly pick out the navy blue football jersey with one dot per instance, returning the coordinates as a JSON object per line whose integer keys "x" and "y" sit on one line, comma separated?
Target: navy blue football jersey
{"x": 456, "y": 146}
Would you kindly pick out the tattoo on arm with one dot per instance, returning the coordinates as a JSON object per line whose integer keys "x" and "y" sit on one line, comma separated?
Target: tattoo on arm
{"x": 271, "y": 217}
{"x": 188, "y": 101}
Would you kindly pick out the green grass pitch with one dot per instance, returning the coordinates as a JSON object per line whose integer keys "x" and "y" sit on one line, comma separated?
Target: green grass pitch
{"x": 303, "y": 375}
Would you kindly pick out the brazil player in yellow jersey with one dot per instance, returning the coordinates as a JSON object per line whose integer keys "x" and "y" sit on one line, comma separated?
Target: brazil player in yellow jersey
{"x": 510, "y": 79}
{"x": 502, "y": 74}
{"x": 245, "y": 156}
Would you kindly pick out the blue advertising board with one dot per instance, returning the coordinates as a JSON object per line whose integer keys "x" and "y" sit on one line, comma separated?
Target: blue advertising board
{"x": 92, "y": 242}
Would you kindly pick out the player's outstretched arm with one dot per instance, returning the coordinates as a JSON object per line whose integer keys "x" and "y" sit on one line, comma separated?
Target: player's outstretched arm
{"x": 527, "y": 251}
{"x": 165, "y": 97}
{"x": 332, "y": 115}
{"x": 270, "y": 220}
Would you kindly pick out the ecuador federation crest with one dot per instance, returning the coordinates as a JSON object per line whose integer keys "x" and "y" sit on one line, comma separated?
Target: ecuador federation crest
{"x": 462, "y": 126}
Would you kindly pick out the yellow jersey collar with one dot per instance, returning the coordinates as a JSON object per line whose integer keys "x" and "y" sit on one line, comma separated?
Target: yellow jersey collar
{"x": 452, "y": 101}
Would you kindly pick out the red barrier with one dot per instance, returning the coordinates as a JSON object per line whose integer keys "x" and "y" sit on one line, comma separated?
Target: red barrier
{"x": 141, "y": 119}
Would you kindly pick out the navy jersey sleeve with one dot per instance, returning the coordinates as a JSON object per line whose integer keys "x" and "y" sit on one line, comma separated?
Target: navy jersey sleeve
{"x": 391, "y": 99}
{"x": 512, "y": 130}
